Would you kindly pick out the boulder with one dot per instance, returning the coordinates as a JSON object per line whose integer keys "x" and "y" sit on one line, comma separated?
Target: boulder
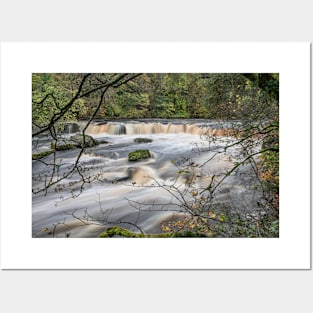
{"x": 143, "y": 140}
{"x": 139, "y": 155}
{"x": 78, "y": 139}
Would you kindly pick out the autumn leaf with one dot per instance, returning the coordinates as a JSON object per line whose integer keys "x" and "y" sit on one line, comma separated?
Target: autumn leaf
{"x": 211, "y": 214}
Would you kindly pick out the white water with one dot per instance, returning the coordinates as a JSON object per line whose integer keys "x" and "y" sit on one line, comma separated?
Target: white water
{"x": 157, "y": 127}
{"x": 124, "y": 191}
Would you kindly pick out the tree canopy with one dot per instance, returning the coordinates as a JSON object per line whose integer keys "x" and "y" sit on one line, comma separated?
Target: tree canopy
{"x": 154, "y": 95}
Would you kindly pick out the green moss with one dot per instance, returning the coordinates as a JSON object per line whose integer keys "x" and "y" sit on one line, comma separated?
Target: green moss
{"x": 139, "y": 155}
{"x": 76, "y": 141}
{"x": 143, "y": 140}
{"x": 64, "y": 146}
{"x": 122, "y": 232}
{"x": 42, "y": 154}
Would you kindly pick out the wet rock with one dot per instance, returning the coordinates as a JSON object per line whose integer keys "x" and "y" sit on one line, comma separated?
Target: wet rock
{"x": 139, "y": 155}
{"x": 142, "y": 140}
{"x": 79, "y": 140}
{"x": 40, "y": 155}
{"x": 60, "y": 146}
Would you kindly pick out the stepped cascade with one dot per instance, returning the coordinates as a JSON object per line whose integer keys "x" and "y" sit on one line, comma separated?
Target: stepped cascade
{"x": 143, "y": 128}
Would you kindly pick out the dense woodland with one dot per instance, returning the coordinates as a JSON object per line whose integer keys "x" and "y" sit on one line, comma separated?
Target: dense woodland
{"x": 214, "y": 96}
{"x": 251, "y": 98}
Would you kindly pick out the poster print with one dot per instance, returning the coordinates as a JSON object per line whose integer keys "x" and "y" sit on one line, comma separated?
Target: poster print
{"x": 161, "y": 159}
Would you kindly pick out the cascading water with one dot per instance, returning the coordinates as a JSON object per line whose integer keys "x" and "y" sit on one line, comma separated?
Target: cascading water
{"x": 117, "y": 191}
{"x": 68, "y": 128}
{"x": 142, "y": 128}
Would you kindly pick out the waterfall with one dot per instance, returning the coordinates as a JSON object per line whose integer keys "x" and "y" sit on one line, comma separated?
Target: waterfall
{"x": 67, "y": 128}
{"x": 145, "y": 128}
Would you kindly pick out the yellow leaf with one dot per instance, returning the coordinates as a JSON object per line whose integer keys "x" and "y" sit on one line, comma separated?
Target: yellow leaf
{"x": 211, "y": 214}
{"x": 165, "y": 228}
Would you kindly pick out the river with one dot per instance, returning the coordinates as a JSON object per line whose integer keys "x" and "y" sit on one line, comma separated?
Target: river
{"x": 186, "y": 155}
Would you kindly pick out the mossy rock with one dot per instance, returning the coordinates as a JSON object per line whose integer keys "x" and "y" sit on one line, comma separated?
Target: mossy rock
{"x": 116, "y": 231}
{"x": 76, "y": 141}
{"x": 120, "y": 232}
{"x": 40, "y": 155}
{"x": 139, "y": 155}
{"x": 63, "y": 146}
{"x": 79, "y": 140}
{"x": 143, "y": 140}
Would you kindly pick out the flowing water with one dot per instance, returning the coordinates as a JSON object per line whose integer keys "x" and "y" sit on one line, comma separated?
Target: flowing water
{"x": 135, "y": 195}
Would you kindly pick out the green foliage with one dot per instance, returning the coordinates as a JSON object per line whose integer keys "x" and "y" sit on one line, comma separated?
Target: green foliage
{"x": 116, "y": 231}
{"x": 162, "y": 95}
{"x": 270, "y": 168}
{"x": 119, "y": 232}
{"x": 139, "y": 155}
{"x": 265, "y": 226}
{"x": 223, "y": 223}
{"x": 56, "y": 90}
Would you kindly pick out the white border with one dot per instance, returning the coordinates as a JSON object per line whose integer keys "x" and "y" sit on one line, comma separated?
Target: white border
{"x": 290, "y": 251}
